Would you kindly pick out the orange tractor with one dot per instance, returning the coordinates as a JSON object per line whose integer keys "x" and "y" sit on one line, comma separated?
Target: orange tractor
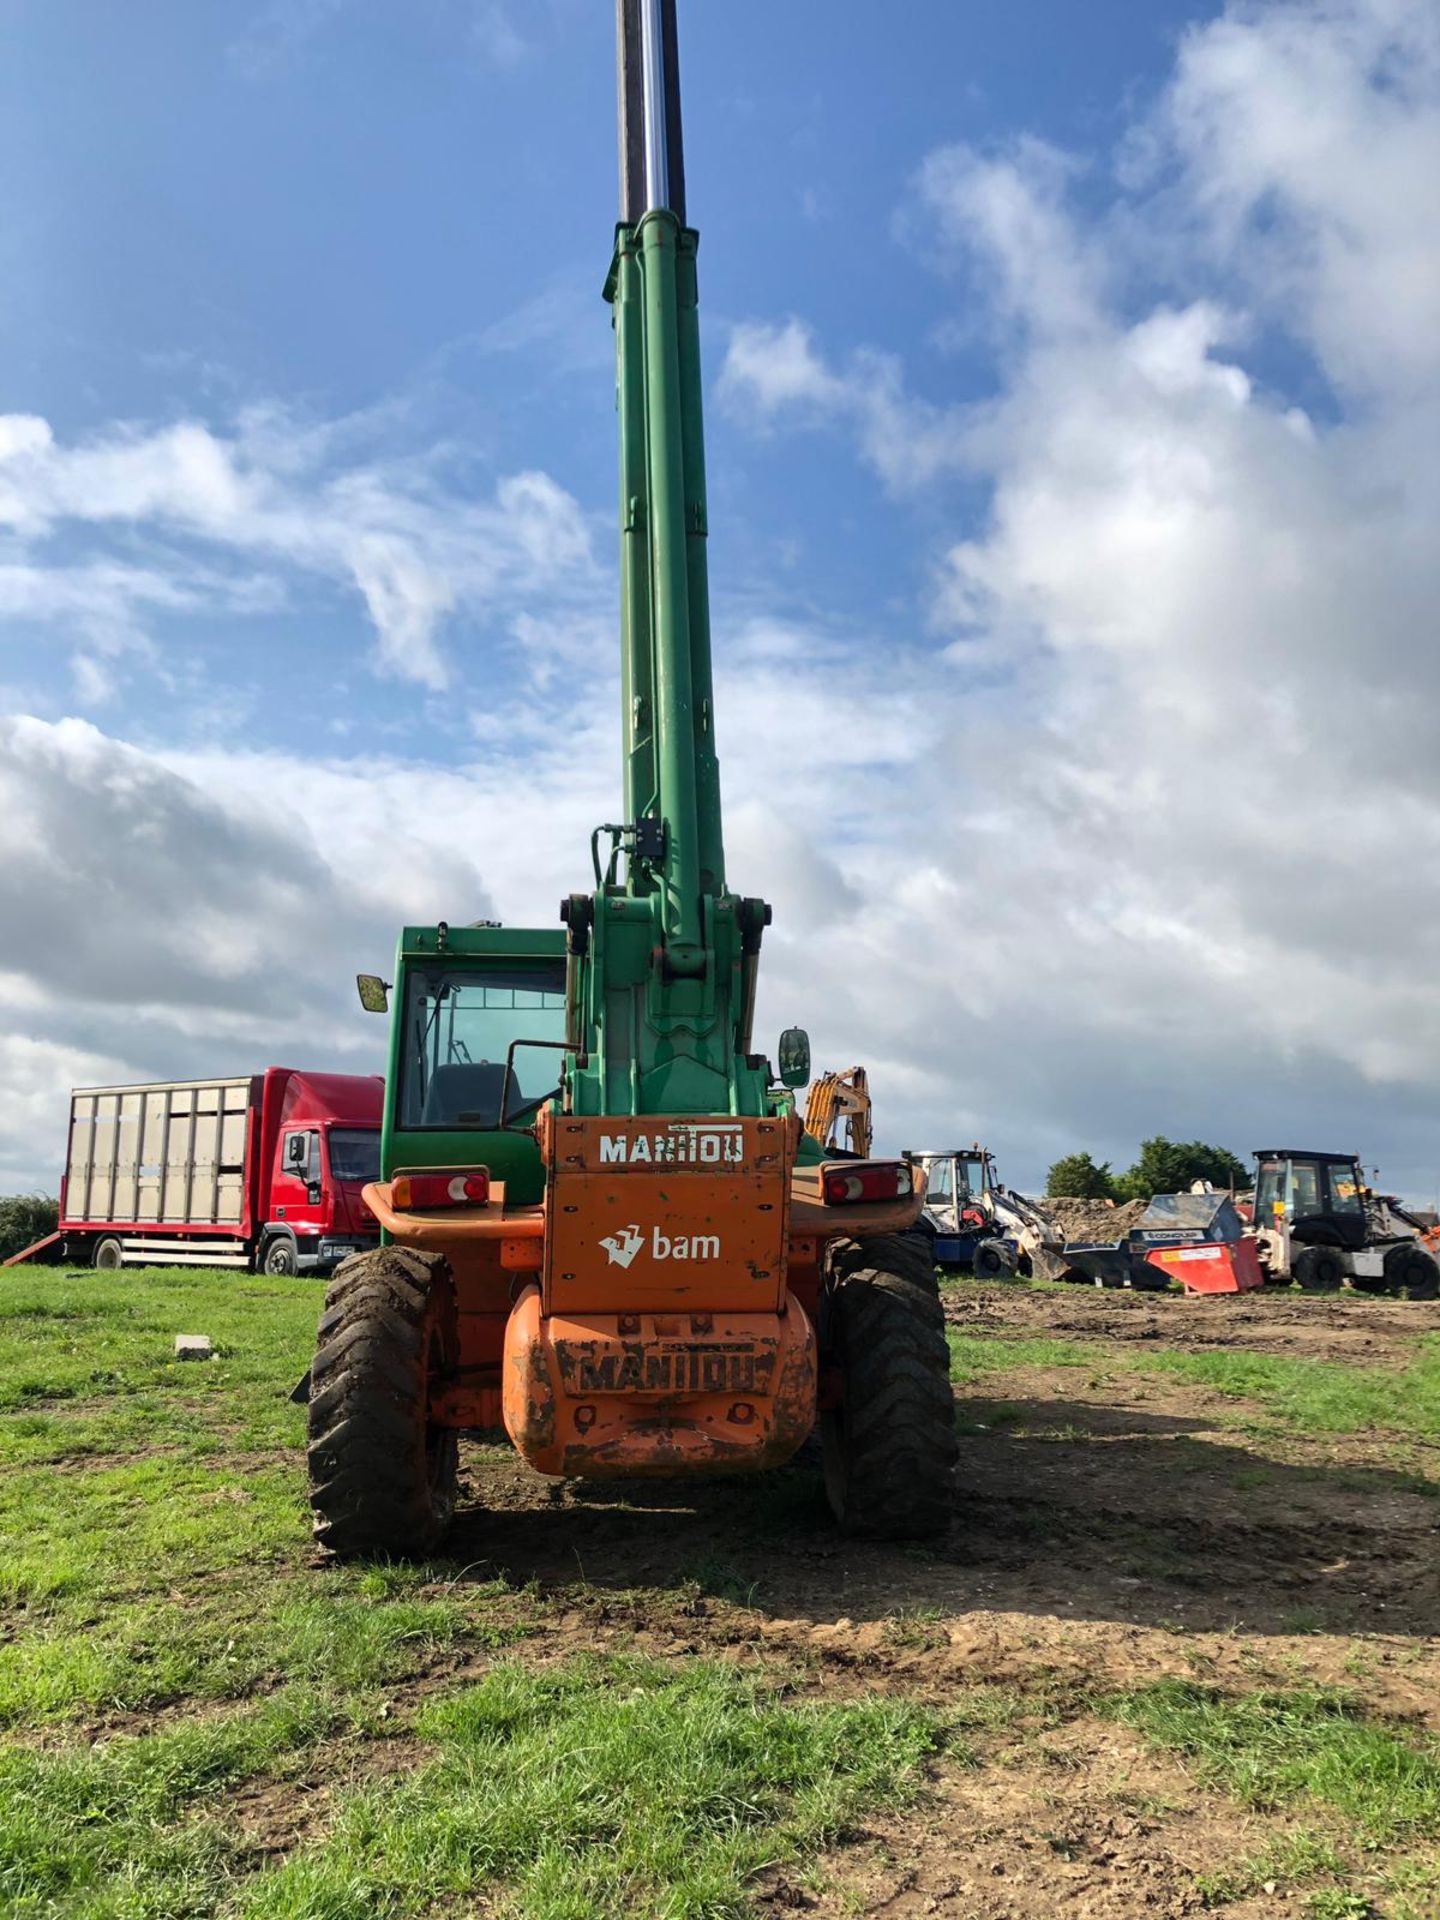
{"x": 603, "y": 1223}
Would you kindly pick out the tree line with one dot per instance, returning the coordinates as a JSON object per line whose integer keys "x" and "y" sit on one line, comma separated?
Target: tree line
{"x": 24, "y": 1219}
{"x": 1164, "y": 1166}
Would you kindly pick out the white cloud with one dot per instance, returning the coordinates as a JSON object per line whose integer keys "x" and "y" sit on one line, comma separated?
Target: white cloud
{"x": 771, "y": 370}
{"x": 278, "y": 496}
{"x": 1174, "y": 863}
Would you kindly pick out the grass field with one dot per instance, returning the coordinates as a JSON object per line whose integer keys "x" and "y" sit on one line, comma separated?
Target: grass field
{"x": 703, "y": 1705}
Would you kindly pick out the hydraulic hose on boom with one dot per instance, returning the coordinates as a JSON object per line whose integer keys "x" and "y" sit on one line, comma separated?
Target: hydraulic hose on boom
{"x": 666, "y": 957}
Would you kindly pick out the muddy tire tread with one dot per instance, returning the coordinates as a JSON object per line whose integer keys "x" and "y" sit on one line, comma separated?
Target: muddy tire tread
{"x": 897, "y": 1431}
{"x": 374, "y": 1488}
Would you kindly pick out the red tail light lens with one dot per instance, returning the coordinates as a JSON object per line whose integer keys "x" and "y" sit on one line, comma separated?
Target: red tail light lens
{"x": 428, "y": 1192}
{"x": 867, "y": 1180}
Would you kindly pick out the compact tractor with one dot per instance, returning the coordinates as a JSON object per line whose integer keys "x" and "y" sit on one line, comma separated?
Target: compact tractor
{"x": 603, "y": 1224}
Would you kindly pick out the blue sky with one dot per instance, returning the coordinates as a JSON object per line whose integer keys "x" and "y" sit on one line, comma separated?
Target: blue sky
{"x": 343, "y": 208}
{"x": 1072, "y": 431}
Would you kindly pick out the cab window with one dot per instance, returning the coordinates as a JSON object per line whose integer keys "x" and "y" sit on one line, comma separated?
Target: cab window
{"x": 1305, "y": 1195}
{"x": 1344, "y": 1190}
{"x": 1269, "y": 1188}
{"x": 459, "y": 1026}
{"x": 940, "y": 1184}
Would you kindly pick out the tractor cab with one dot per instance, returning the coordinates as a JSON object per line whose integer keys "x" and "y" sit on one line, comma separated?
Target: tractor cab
{"x": 477, "y": 1040}
{"x": 1317, "y": 1199}
{"x": 959, "y": 1200}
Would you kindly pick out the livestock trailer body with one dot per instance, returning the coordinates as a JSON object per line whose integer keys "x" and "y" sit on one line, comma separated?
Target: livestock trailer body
{"x": 264, "y": 1170}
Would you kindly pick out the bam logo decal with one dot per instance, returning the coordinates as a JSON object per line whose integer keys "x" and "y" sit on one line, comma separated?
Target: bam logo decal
{"x": 684, "y": 1144}
{"x": 621, "y": 1248}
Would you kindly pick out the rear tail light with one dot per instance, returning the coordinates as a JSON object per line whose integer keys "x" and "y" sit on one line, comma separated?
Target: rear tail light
{"x": 867, "y": 1180}
{"x": 427, "y": 1192}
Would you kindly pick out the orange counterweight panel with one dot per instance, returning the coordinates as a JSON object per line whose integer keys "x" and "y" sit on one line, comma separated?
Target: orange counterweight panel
{"x": 661, "y": 1213}
{"x": 656, "y": 1393}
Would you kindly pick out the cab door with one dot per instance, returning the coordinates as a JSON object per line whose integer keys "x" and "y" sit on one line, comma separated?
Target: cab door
{"x": 298, "y": 1195}
{"x": 1346, "y": 1203}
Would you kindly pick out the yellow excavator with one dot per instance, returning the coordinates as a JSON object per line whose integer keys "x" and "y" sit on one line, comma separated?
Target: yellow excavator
{"x": 838, "y": 1104}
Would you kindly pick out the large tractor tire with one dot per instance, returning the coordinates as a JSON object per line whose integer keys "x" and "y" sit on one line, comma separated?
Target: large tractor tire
{"x": 1414, "y": 1270}
{"x": 382, "y": 1477}
{"x": 889, "y": 1448}
{"x": 1318, "y": 1270}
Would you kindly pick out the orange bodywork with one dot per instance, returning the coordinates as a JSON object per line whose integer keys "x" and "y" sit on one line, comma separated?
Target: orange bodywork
{"x": 655, "y": 1313}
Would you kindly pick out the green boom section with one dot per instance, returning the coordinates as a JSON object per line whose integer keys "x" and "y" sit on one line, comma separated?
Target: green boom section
{"x": 664, "y": 959}
{"x": 661, "y": 959}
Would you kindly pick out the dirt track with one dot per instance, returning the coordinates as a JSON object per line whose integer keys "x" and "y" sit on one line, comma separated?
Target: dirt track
{"x": 1112, "y": 1526}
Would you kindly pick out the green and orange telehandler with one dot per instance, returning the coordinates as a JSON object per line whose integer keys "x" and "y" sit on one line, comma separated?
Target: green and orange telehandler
{"x": 603, "y": 1222}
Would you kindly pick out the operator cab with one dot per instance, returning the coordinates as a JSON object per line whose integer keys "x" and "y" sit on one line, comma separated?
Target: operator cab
{"x": 1320, "y": 1196}
{"x": 958, "y": 1204}
{"x": 458, "y": 1028}
{"x": 477, "y": 1048}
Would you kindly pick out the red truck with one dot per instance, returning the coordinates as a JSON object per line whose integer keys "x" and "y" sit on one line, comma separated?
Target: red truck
{"x": 262, "y": 1172}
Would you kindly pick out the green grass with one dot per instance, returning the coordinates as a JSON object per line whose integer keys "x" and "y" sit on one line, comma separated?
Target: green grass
{"x": 601, "y": 1787}
{"x": 1300, "y": 1396}
{"x": 972, "y": 1356}
{"x": 154, "y": 1533}
{"x": 1321, "y": 1396}
{"x": 178, "y": 1675}
{"x": 605, "y": 1787}
{"x": 116, "y": 1829}
{"x": 1304, "y": 1746}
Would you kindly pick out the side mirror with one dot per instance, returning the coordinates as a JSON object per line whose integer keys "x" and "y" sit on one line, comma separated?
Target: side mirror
{"x": 297, "y": 1151}
{"x": 794, "y": 1057}
{"x": 374, "y": 994}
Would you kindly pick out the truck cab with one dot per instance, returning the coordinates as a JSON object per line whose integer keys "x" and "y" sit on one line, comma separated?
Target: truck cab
{"x": 320, "y": 1141}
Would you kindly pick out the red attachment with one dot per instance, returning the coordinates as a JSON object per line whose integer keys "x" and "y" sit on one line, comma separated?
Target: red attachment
{"x": 451, "y": 1187}
{"x": 866, "y": 1180}
{"x": 1211, "y": 1267}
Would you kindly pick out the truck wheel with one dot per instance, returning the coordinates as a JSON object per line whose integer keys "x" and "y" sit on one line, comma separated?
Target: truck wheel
{"x": 992, "y": 1260}
{"x": 1414, "y": 1270}
{"x": 108, "y": 1255}
{"x": 1318, "y": 1270}
{"x": 382, "y": 1477}
{"x": 278, "y": 1255}
{"x": 890, "y": 1448}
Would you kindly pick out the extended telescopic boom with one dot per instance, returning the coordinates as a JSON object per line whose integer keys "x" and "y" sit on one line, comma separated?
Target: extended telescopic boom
{"x": 666, "y": 955}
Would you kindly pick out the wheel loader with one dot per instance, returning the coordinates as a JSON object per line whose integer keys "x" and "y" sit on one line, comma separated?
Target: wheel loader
{"x": 603, "y": 1224}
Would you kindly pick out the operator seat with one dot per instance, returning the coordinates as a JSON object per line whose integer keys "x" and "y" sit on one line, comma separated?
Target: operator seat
{"x": 466, "y": 1095}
